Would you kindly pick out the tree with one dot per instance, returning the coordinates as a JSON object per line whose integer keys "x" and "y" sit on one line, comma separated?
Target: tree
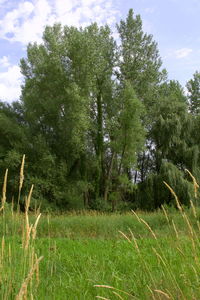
{"x": 126, "y": 137}
{"x": 70, "y": 98}
{"x": 193, "y": 86}
{"x": 170, "y": 115}
{"x": 173, "y": 148}
{"x": 140, "y": 63}
{"x": 56, "y": 111}
{"x": 139, "y": 58}
{"x": 54, "y": 105}
{"x": 88, "y": 106}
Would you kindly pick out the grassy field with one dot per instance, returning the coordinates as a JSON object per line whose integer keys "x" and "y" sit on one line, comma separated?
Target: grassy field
{"x": 88, "y": 255}
{"x": 75, "y": 256}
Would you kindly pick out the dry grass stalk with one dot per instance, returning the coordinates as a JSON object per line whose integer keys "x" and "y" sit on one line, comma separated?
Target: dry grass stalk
{"x": 21, "y": 179}
{"x": 198, "y": 225}
{"x": 27, "y": 233}
{"x": 28, "y": 199}
{"x": 195, "y": 184}
{"x": 163, "y": 293}
{"x": 134, "y": 240}
{"x": 193, "y": 209}
{"x": 22, "y": 295}
{"x": 27, "y": 237}
{"x": 165, "y": 213}
{"x": 136, "y": 245}
{"x": 147, "y": 225}
{"x": 125, "y": 236}
{"x": 118, "y": 295}
{"x": 182, "y": 253}
{"x": 159, "y": 256}
{"x": 37, "y": 210}
{"x": 3, "y": 199}
{"x": 175, "y": 196}
{"x": 176, "y": 232}
{"x": 138, "y": 218}
{"x": 34, "y": 230}
{"x": 189, "y": 225}
{"x": 21, "y": 176}
{"x": 193, "y": 237}
{"x": 99, "y": 297}
{"x": 112, "y": 288}
{"x": 29, "y": 228}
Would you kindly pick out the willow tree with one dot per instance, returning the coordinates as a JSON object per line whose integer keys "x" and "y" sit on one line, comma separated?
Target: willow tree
{"x": 174, "y": 148}
{"x": 170, "y": 115}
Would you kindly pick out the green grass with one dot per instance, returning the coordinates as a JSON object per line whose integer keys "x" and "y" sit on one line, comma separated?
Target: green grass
{"x": 76, "y": 266}
{"x": 81, "y": 251}
{"x": 102, "y": 226}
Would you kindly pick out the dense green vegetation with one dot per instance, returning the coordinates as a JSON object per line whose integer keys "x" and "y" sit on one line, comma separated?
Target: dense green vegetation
{"x": 99, "y": 122}
{"x": 80, "y": 251}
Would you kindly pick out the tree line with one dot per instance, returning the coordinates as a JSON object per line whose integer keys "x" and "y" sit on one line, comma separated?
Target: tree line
{"x": 100, "y": 123}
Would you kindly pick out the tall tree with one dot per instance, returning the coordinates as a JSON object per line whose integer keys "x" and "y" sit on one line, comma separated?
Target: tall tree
{"x": 193, "y": 86}
{"x": 167, "y": 131}
{"x": 139, "y": 58}
{"x": 126, "y": 136}
{"x": 140, "y": 63}
{"x": 54, "y": 105}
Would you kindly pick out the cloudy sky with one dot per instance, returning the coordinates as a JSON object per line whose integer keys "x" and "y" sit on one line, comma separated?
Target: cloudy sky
{"x": 175, "y": 25}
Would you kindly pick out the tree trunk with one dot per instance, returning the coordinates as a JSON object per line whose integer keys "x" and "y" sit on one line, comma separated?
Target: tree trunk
{"x": 100, "y": 150}
{"x": 109, "y": 178}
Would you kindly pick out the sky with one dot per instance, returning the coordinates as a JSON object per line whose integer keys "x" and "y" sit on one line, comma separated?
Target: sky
{"x": 174, "y": 24}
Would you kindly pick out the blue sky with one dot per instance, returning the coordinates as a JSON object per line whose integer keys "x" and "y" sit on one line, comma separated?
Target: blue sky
{"x": 175, "y": 25}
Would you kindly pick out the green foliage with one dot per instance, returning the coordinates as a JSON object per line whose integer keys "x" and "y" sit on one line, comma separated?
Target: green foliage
{"x": 193, "y": 86}
{"x": 140, "y": 61}
{"x": 98, "y": 121}
{"x": 152, "y": 193}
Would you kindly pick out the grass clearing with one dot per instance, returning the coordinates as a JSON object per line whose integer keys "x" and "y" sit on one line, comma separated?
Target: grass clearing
{"x": 90, "y": 255}
{"x": 81, "y": 251}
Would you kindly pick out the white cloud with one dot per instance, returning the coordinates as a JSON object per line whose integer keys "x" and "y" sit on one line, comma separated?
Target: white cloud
{"x": 4, "y": 62}
{"x": 183, "y": 52}
{"x": 63, "y": 7}
{"x": 11, "y": 22}
{"x": 26, "y": 22}
{"x": 10, "y": 82}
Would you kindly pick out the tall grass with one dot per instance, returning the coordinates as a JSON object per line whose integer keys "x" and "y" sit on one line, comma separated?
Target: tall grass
{"x": 19, "y": 261}
{"x": 90, "y": 254}
{"x": 181, "y": 282}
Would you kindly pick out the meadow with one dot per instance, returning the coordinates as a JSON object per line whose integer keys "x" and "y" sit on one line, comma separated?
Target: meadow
{"x": 91, "y": 255}
{"x": 88, "y": 255}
